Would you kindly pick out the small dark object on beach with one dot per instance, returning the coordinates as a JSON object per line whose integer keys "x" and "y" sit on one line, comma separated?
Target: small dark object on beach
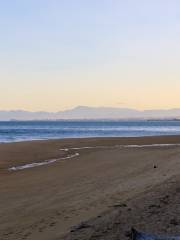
{"x": 155, "y": 166}
{"x": 174, "y": 222}
{"x": 165, "y": 200}
{"x": 128, "y": 234}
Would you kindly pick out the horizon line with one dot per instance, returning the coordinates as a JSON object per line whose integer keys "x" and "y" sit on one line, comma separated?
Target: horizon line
{"x": 95, "y": 107}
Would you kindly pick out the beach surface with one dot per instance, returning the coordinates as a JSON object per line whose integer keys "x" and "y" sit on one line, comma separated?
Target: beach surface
{"x": 96, "y": 188}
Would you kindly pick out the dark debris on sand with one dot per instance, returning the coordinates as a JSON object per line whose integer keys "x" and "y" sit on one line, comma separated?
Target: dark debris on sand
{"x": 157, "y": 211}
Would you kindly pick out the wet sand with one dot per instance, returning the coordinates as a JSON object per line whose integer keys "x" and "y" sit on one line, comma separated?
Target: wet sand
{"x": 109, "y": 187}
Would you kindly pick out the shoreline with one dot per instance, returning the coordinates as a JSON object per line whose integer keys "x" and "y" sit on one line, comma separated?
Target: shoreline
{"x": 93, "y": 137}
{"x": 36, "y": 154}
{"x": 48, "y": 202}
{"x": 53, "y": 146}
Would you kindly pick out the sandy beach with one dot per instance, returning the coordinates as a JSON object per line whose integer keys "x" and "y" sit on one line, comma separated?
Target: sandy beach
{"x": 96, "y": 188}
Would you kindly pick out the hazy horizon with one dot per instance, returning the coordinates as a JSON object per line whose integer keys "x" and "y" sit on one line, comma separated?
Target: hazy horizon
{"x": 56, "y": 55}
{"x": 94, "y": 107}
{"x": 84, "y": 112}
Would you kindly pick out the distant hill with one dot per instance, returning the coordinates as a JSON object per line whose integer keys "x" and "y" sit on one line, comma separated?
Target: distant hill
{"x": 83, "y": 112}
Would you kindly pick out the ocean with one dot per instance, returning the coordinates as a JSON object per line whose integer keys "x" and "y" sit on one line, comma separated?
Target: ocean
{"x": 12, "y": 131}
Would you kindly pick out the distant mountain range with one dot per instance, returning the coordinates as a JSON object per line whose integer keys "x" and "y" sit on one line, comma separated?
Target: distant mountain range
{"x": 83, "y": 112}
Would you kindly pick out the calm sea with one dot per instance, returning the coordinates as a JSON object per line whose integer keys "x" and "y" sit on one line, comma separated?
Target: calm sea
{"x": 31, "y": 130}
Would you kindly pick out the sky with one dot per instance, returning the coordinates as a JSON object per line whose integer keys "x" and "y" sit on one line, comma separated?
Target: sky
{"x": 58, "y": 54}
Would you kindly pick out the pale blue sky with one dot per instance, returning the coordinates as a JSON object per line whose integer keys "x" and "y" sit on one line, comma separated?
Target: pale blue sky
{"x": 59, "y": 54}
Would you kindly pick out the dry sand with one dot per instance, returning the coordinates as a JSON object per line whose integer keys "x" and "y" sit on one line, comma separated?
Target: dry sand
{"x": 99, "y": 194}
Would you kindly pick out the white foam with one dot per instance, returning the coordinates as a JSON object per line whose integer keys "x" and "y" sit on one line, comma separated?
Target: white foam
{"x": 123, "y": 146}
{"x": 80, "y": 148}
{"x": 64, "y": 149}
{"x": 37, "y": 164}
{"x": 70, "y": 156}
